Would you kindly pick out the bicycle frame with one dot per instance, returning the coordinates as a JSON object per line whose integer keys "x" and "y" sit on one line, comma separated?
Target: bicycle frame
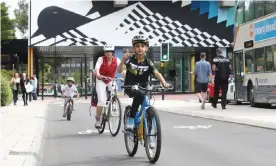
{"x": 144, "y": 107}
{"x": 112, "y": 94}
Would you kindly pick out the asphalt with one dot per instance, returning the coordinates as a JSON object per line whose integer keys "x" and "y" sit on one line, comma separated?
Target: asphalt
{"x": 219, "y": 144}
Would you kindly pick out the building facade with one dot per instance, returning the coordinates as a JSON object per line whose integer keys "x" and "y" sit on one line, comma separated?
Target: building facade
{"x": 189, "y": 27}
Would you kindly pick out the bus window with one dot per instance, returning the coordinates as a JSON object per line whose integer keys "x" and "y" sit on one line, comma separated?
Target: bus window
{"x": 270, "y": 7}
{"x": 239, "y": 15}
{"x": 248, "y": 10}
{"x": 270, "y": 58}
{"x": 249, "y": 61}
{"x": 259, "y": 60}
{"x": 259, "y": 9}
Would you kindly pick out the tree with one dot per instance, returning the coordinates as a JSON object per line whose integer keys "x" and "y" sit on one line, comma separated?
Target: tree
{"x": 47, "y": 74}
{"x": 21, "y": 17}
{"x": 7, "y": 24}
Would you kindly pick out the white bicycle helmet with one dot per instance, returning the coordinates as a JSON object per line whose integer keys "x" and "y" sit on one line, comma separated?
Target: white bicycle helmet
{"x": 140, "y": 39}
{"x": 109, "y": 47}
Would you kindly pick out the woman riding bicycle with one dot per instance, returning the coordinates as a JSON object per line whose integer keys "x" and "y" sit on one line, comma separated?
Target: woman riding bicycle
{"x": 139, "y": 68}
{"x": 106, "y": 67}
{"x": 68, "y": 91}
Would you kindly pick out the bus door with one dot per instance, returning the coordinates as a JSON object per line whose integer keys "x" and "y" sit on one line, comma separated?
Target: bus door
{"x": 239, "y": 75}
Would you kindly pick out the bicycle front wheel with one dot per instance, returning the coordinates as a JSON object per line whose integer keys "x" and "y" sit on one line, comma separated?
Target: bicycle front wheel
{"x": 114, "y": 116}
{"x": 68, "y": 112}
{"x": 131, "y": 138}
{"x": 153, "y": 138}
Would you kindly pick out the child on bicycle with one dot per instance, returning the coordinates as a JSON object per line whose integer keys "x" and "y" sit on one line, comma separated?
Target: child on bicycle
{"x": 138, "y": 70}
{"x": 69, "y": 90}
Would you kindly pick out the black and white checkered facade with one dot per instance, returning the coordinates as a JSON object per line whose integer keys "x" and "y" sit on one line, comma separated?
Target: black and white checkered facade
{"x": 72, "y": 37}
{"x": 163, "y": 29}
{"x": 143, "y": 21}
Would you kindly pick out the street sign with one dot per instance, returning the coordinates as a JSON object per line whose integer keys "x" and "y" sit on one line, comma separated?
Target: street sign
{"x": 164, "y": 52}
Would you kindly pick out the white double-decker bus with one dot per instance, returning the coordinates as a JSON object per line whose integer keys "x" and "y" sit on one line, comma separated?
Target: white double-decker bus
{"x": 255, "y": 52}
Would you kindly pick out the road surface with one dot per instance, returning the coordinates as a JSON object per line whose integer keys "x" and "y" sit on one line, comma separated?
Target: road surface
{"x": 185, "y": 141}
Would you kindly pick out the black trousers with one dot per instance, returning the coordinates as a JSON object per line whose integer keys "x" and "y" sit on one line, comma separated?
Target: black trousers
{"x": 30, "y": 96}
{"x": 223, "y": 84}
{"x": 25, "y": 97}
{"x": 138, "y": 99}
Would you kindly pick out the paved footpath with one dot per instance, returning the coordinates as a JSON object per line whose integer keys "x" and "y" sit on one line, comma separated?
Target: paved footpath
{"x": 21, "y": 133}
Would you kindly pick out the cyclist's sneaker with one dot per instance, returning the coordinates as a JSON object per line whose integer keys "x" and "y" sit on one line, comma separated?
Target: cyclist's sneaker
{"x": 130, "y": 124}
{"x": 64, "y": 115}
{"x": 98, "y": 124}
{"x": 152, "y": 143}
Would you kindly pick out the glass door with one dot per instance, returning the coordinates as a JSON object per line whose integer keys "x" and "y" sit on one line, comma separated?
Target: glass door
{"x": 239, "y": 75}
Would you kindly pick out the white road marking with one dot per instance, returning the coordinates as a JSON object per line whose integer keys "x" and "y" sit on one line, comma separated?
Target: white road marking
{"x": 193, "y": 127}
{"x": 89, "y": 131}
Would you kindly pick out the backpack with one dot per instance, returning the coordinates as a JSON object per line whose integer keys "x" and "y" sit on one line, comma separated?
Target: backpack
{"x": 94, "y": 98}
{"x": 223, "y": 69}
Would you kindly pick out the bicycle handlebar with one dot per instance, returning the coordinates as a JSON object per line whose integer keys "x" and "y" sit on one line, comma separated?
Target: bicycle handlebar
{"x": 137, "y": 87}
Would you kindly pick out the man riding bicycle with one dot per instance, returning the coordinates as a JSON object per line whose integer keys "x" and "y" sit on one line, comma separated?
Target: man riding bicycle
{"x": 68, "y": 91}
{"x": 106, "y": 67}
{"x": 139, "y": 68}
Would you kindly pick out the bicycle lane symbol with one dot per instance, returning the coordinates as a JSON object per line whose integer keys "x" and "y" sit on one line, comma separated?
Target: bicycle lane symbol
{"x": 193, "y": 127}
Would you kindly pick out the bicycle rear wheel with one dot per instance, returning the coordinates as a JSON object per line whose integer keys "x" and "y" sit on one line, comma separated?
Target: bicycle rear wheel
{"x": 131, "y": 137}
{"x": 114, "y": 113}
{"x": 154, "y": 130}
{"x": 103, "y": 122}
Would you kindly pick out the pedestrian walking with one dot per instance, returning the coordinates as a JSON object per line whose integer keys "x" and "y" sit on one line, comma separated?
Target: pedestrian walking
{"x": 203, "y": 75}
{"x": 223, "y": 70}
{"x": 23, "y": 82}
{"x": 35, "y": 84}
{"x": 15, "y": 81}
{"x": 34, "y": 89}
{"x": 61, "y": 88}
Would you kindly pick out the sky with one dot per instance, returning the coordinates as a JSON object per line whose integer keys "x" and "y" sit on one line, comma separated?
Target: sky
{"x": 12, "y": 4}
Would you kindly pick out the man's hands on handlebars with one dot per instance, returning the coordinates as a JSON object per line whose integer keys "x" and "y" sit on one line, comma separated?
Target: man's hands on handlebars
{"x": 166, "y": 85}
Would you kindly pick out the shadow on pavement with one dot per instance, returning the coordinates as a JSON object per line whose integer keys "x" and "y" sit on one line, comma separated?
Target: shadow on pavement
{"x": 79, "y": 136}
{"x": 121, "y": 160}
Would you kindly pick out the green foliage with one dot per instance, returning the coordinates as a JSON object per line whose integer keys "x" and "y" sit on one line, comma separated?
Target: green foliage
{"x": 7, "y": 24}
{"x": 8, "y": 74}
{"x": 6, "y": 92}
{"x": 61, "y": 80}
{"x": 21, "y": 17}
{"x": 47, "y": 73}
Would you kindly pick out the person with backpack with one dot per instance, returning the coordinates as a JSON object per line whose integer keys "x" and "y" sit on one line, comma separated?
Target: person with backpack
{"x": 223, "y": 70}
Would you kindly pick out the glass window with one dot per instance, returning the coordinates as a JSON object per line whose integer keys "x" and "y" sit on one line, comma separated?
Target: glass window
{"x": 239, "y": 16}
{"x": 259, "y": 9}
{"x": 270, "y": 7}
{"x": 248, "y": 10}
{"x": 249, "y": 61}
{"x": 259, "y": 60}
{"x": 270, "y": 58}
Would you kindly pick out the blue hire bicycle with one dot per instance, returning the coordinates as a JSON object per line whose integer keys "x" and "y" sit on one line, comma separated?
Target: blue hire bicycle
{"x": 147, "y": 128}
